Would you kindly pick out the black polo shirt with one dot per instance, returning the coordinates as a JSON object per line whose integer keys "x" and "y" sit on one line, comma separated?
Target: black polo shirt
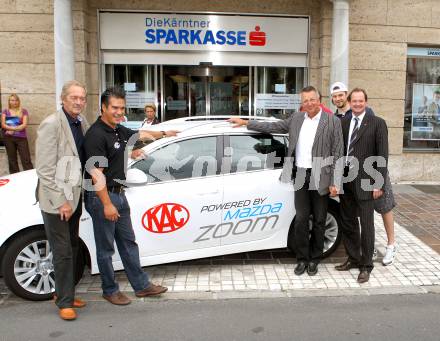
{"x": 78, "y": 136}
{"x": 105, "y": 141}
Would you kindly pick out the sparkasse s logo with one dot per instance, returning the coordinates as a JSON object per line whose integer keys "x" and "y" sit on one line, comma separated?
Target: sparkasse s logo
{"x": 165, "y": 218}
{"x": 257, "y": 38}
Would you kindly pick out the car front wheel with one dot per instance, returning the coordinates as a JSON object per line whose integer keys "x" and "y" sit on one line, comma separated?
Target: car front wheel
{"x": 28, "y": 269}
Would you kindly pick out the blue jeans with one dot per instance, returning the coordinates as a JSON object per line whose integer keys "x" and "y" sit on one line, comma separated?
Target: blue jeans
{"x": 106, "y": 233}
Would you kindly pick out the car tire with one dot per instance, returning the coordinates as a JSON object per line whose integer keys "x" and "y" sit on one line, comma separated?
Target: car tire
{"x": 333, "y": 232}
{"x": 333, "y": 229}
{"x": 33, "y": 279}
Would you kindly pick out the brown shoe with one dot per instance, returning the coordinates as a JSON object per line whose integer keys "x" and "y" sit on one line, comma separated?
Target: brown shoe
{"x": 364, "y": 276}
{"x": 77, "y": 302}
{"x": 118, "y": 298}
{"x": 152, "y": 290}
{"x": 347, "y": 265}
{"x": 67, "y": 314}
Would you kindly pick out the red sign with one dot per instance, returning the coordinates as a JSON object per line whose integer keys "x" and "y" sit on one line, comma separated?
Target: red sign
{"x": 3, "y": 182}
{"x": 257, "y": 38}
{"x": 165, "y": 218}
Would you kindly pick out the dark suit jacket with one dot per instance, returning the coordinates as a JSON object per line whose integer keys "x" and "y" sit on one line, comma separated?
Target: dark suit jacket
{"x": 371, "y": 141}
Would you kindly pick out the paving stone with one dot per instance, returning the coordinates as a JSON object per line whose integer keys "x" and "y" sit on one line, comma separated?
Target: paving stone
{"x": 416, "y": 268}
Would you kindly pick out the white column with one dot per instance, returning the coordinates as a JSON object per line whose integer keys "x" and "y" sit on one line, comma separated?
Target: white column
{"x": 340, "y": 45}
{"x": 63, "y": 37}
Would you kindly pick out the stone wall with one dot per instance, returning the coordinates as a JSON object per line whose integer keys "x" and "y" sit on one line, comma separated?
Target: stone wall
{"x": 380, "y": 31}
{"x": 27, "y": 57}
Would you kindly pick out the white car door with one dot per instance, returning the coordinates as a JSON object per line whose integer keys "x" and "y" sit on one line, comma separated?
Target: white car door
{"x": 169, "y": 213}
{"x": 257, "y": 206}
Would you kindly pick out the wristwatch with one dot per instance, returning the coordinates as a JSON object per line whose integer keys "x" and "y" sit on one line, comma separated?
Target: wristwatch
{"x": 164, "y": 134}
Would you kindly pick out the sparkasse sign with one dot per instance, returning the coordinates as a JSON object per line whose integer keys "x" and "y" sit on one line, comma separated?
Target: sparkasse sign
{"x": 241, "y": 33}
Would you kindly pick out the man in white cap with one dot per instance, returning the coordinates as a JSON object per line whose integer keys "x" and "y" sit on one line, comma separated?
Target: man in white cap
{"x": 339, "y": 94}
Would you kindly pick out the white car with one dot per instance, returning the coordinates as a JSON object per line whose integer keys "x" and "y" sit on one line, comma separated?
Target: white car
{"x": 212, "y": 190}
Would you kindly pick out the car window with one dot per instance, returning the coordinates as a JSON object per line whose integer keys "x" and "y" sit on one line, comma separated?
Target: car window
{"x": 181, "y": 160}
{"x": 254, "y": 152}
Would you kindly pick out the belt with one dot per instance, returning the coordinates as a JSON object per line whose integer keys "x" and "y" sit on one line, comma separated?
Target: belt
{"x": 116, "y": 189}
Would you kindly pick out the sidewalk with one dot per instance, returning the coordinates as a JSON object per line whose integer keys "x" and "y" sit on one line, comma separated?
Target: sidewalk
{"x": 418, "y": 209}
{"x": 270, "y": 273}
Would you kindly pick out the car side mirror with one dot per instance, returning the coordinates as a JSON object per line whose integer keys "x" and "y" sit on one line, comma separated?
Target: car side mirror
{"x": 136, "y": 177}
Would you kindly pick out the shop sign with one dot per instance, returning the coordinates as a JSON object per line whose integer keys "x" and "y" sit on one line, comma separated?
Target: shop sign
{"x": 239, "y": 33}
{"x": 138, "y": 99}
{"x": 278, "y": 101}
{"x": 423, "y": 52}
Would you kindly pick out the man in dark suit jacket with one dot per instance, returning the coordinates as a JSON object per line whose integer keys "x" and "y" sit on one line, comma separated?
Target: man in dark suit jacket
{"x": 365, "y": 145}
{"x": 314, "y": 136}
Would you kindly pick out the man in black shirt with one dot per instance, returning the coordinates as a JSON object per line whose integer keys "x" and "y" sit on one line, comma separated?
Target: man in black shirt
{"x": 105, "y": 143}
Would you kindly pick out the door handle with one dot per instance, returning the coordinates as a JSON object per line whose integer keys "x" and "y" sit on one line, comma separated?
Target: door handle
{"x": 208, "y": 192}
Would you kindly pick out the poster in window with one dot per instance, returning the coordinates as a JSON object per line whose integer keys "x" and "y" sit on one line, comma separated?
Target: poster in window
{"x": 425, "y": 119}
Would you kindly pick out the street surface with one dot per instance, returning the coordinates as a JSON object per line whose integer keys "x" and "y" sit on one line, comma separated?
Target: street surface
{"x": 376, "y": 317}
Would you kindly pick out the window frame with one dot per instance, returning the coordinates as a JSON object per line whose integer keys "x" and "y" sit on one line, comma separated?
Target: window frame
{"x": 218, "y": 153}
{"x": 406, "y": 138}
{"x": 227, "y": 144}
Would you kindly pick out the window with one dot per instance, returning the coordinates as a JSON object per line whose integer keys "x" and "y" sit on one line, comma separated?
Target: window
{"x": 181, "y": 160}
{"x": 422, "y": 100}
{"x": 139, "y": 83}
{"x": 277, "y": 90}
{"x": 254, "y": 152}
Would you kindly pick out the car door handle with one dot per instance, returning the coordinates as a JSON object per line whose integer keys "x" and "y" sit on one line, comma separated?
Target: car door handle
{"x": 208, "y": 192}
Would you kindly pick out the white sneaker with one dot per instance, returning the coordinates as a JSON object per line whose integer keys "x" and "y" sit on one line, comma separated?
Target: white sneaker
{"x": 390, "y": 253}
{"x": 374, "y": 255}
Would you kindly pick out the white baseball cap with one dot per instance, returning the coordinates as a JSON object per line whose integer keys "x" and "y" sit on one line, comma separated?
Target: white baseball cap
{"x": 338, "y": 86}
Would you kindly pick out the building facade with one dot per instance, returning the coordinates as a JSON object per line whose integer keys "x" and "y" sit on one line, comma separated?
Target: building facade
{"x": 253, "y": 61}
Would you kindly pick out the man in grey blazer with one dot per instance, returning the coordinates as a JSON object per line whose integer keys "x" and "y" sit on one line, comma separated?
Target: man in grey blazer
{"x": 59, "y": 165}
{"x": 315, "y": 146}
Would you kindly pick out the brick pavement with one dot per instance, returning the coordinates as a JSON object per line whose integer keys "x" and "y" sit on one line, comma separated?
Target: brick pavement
{"x": 416, "y": 265}
{"x": 271, "y": 272}
{"x": 418, "y": 210}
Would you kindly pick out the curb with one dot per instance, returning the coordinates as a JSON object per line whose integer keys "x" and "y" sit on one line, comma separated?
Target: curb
{"x": 258, "y": 294}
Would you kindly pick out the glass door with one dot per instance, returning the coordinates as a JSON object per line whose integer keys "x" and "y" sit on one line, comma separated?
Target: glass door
{"x": 205, "y": 90}
{"x": 139, "y": 82}
{"x": 198, "y": 93}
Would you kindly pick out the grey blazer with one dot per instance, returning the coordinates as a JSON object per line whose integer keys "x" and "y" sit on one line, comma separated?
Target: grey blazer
{"x": 327, "y": 151}
{"x": 57, "y": 163}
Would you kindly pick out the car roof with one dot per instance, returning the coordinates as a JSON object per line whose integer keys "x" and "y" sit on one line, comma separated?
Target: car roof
{"x": 196, "y": 125}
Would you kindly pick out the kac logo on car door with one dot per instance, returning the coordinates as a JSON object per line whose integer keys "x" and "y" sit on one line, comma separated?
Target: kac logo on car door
{"x": 165, "y": 218}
